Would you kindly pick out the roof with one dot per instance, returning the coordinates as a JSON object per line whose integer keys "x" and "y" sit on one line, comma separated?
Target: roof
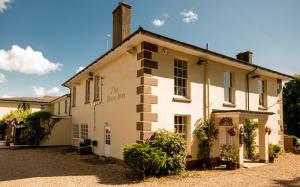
{"x": 142, "y": 31}
{"x": 45, "y": 99}
{"x": 61, "y": 97}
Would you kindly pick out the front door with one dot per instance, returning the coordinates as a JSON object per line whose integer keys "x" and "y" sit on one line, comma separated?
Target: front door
{"x": 107, "y": 142}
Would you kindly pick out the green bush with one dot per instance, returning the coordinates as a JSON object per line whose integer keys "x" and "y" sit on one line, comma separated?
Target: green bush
{"x": 274, "y": 150}
{"x": 229, "y": 153}
{"x": 297, "y": 145}
{"x": 250, "y": 136}
{"x": 19, "y": 115}
{"x": 144, "y": 159}
{"x": 175, "y": 148}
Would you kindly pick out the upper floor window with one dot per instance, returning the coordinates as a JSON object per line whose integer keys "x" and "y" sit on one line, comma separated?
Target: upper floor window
{"x": 66, "y": 106}
{"x": 262, "y": 92}
{"x": 97, "y": 88}
{"x": 180, "y": 125}
{"x": 58, "y": 108}
{"x": 74, "y": 97}
{"x": 87, "y": 91}
{"x": 228, "y": 93}
{"x": 180, "y": 77}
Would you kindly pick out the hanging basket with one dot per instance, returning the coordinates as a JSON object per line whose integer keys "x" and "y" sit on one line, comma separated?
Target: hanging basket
{"x": 268, "y": 130}
{"x": 232, "y": 131}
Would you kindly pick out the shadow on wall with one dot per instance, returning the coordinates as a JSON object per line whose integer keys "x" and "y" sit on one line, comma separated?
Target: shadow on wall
{"x": 291, "y": 183}
{"x": 57, "y": 162}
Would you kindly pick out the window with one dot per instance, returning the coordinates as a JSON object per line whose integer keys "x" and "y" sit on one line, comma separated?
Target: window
{"x": 180, "y": 77}
{"x": 262, "y": 92}
{"x": 58, "y": 108}
{"x": 66, "y": 106}
{"x": 97, "y": 87}
{"x": 180, "y": 124}
{"x": 87, "y": 91}
{"x": 107, "y": 136}
{"x": 75, "y": 131}
{"x": 228, "y": 96}
{"x": 74, "y": 97}
{"x": 84, "y": 131}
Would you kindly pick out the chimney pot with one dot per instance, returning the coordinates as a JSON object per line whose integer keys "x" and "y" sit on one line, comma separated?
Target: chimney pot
{"x": 121, "y": 23}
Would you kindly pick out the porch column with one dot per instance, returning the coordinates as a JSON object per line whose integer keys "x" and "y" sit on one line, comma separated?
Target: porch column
{"x": 236, "y": 141}
{"x": 263, "y": 140}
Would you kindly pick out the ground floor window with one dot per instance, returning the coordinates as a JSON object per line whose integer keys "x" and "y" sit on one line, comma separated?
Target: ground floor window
{"x": 84, "y": 131}
{"x": 75, "y": 131}
{"x": 180, "y": 125}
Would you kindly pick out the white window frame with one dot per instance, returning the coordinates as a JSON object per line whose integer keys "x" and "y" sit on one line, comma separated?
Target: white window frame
{"x": 75, "y": 131}
{"x": 97, "y": 88}
{"x": 180, "y": 77}
{"x": 180, "y": 125}
{"x": 87, "y": 91}
{"x": 228, "y": 88}
{"x": 84, "y": 131}
{"x": 262, "y": 84}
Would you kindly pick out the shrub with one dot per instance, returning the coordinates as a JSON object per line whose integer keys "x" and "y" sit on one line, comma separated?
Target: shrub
{"x": 230, "y": 155}
{"x": 274, "y": 150}
{"x": 144, "y": 159}
{"x": 175, "y": 148}
{"x": 206, "y": 132}
{"x": 250, "y": 135}
{"x": 19, "y": 115}
{"x": 297, "y": 145}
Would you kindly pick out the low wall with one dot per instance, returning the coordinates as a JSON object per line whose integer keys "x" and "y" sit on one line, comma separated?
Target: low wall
{"x": 60, "y": 134}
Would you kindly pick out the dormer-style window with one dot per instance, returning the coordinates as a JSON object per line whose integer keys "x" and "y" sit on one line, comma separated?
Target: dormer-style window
{"x": 262, "y": 93}
{"x": 228, "y": 91}
{"x": 97, "y": 88}
{"x": 87, "y": 91}
{"x": 180, "y": 77}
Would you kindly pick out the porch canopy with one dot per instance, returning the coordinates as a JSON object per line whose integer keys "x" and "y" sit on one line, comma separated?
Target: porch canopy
{"x": 236, "y": 118}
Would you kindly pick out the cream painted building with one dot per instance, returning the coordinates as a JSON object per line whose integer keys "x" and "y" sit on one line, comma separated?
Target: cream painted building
{"x": 148, "y": 82}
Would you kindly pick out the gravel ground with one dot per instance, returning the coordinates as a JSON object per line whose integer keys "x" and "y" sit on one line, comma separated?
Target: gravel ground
{"x": 55, "y": 167}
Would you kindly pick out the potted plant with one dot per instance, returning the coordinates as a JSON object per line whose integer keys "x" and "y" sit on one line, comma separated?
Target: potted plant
{"x": 230, "y": 156}
{"x": 232, "y": 131}
{"x": 274, "y": 151}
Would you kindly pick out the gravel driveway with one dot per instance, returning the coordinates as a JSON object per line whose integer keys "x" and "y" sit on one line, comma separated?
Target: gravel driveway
{"x": 55, "y": 167}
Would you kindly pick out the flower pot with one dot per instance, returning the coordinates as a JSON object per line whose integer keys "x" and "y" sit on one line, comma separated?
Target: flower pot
{"x": 271, "y": 159}
{"x": 232, "y": 131}
{"x": 268, "y": 130}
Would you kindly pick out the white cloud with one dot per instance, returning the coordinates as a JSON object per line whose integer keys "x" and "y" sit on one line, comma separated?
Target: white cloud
{"x": 41, "y": 91}
{"x": 189, "y": 16}
{"x": 2, "y": 78}
{"x": 158, "y": 22}
{"x": 79, "y": 69}
{"x": 6, "y": 96}
{"x": 26, "y": 61}
{"x": 3, "y": 4}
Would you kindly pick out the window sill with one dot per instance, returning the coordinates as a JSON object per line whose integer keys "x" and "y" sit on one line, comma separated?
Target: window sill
{"x": 262, "y": 108}
{"x": 181, "y": 99}
{"x": 96, "y": 100}
{"x": 227, "y": 104}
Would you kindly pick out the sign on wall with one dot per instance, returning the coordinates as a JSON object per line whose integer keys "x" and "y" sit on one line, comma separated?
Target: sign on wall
{"x": 226, "y": 122}
{"x": 115, "y": 95}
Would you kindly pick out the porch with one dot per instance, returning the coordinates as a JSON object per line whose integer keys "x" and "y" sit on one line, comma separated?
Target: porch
{"x": 226, "y": 119}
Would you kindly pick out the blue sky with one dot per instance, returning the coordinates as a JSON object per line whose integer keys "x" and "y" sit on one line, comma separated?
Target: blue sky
{"x": 72, "y": 33}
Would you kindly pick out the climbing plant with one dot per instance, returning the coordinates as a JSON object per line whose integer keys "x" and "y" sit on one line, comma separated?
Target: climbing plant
{"x": 206, "y": 132}
{"x": 250, "y": 135}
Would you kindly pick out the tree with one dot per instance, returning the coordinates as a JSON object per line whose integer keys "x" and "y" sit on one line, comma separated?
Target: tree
{"x": 291, "y": 106}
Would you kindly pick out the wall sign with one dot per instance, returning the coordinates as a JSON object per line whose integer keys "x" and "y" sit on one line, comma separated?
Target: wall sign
{"x": 115, "y": 95}
{"x": 226, "y": 122}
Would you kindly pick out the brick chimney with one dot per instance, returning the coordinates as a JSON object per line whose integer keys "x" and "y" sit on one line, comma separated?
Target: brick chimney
{"x": 245, "y": 56}
{"x": 121, "y": 23}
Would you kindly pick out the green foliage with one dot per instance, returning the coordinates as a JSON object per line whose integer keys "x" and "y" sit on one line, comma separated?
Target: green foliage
{"x": 297, "y": 145}
{"x": 175, "y": 148}
{"x": 35, "y": 132}
{"x": 144, "y": 159}
{"x": 274, "y": 150}
{"x": 2, "y": 128}
{"x": 206, "y": 132}
{"x": 291, "y": 106}
{"x": 24, "y": 106}
{"x": 229, "y": 153}
{"x": 19, "y": 115}
{"x": 250, "y": 135}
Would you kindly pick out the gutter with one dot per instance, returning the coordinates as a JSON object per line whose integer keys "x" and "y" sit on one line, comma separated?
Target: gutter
{"x": 248, "y": 89}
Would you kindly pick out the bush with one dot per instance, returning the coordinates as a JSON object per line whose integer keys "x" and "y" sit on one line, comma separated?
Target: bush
{"x": 19, "y": 115}
{"x": 230, "y": 155}
{"x": 274, "y": 150}
{"x": 144, "y": 159}
{"x": 297, "y": 145}
{"x": 250, "y": 136}
{"x": 175, "y": 148}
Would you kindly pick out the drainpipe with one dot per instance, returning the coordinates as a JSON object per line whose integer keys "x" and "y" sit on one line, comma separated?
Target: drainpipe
{"x": 100, "y": 101}
{"x": 70, "y": 102}
{"x": 204, "y": 91}
{"x": 248, "y": 89}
